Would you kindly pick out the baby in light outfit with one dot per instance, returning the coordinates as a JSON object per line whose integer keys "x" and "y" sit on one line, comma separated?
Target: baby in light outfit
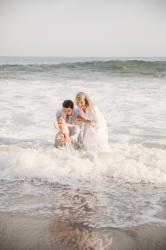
{"x": 62, "y": 137}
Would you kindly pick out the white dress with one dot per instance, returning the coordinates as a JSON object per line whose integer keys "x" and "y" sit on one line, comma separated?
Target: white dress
{"x": 95, "y": 136}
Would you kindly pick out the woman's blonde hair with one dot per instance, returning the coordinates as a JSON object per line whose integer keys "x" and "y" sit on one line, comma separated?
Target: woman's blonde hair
{"x": 88, "y": 102}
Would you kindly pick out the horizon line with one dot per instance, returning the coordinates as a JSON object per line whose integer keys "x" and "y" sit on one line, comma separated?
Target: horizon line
{"x": 84, "y": 56}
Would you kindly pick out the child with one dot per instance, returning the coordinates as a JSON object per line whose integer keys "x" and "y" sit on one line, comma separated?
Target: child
{"x": 62, "y": 137}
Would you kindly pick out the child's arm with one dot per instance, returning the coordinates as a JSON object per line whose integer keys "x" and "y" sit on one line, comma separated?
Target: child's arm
{"x": 66, "y": 137}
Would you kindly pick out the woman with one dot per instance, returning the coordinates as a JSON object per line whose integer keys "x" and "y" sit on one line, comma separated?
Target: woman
{"x": 95, "y": 136}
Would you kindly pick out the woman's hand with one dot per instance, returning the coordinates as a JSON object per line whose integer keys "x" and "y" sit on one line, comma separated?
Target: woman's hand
{"x": 80, "y": 119}
{"x": 83, "y": 120}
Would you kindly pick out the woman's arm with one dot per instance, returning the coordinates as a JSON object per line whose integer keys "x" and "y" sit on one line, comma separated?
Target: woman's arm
{"x": 85, "y": 121}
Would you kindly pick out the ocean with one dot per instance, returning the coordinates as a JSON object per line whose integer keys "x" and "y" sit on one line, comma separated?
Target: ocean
{"x": 121, "y": 188}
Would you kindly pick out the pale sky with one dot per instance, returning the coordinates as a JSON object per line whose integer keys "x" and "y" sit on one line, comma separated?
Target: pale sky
{"x": 125, "y": 28}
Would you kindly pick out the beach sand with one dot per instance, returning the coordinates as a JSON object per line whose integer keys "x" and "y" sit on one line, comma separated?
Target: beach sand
{"x": 18, "y": 232}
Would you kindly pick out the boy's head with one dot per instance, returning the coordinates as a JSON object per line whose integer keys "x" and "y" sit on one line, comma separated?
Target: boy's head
{"x": 60, "y": 121}
{"x": 68, "y": 107}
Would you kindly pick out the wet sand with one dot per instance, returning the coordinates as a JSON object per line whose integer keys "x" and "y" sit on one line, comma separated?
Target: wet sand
{"x": 38, "y": 233}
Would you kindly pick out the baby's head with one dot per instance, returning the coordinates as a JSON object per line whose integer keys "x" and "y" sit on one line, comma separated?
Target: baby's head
{"x": 60, "y": 122}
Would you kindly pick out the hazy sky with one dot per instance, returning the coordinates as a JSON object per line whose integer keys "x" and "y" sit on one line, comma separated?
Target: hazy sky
{"x": 83, "y": 28}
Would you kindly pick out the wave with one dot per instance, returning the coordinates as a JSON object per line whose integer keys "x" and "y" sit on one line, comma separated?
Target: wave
{"x": 131, "y": 163}
{"x": 113, "y": 67}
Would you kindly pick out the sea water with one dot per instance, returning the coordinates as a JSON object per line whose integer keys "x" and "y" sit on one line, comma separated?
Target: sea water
{"x": 123, "y": 187}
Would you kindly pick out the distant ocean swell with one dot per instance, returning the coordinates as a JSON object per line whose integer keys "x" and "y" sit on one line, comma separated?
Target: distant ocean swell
{"x": 112, "y": 67}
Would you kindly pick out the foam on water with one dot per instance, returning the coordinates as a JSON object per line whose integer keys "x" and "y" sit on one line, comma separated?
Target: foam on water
{"x": 133, "y": 163}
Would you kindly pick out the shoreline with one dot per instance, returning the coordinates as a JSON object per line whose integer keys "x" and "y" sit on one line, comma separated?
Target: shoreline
{"x": 39, "y": 233}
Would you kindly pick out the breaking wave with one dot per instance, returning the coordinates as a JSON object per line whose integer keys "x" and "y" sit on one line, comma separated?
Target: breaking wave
{"x": 112, "y": 67}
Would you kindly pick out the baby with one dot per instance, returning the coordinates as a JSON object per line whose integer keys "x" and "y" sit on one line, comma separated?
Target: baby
{"x": 62, "y": 137}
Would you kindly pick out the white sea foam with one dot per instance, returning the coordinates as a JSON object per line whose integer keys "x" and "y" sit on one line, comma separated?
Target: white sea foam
{"x": 133, "y": 163}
